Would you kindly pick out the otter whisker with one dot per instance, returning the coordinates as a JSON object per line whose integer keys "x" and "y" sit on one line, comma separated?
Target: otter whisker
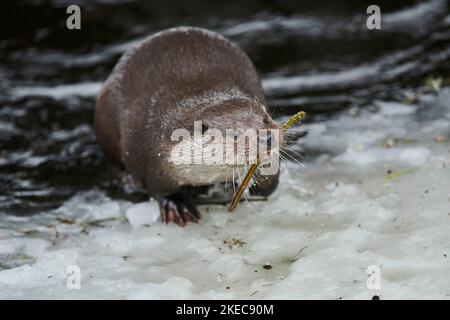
{"x": 293, "y": 165}
{"x": 289, "y": 152}
{"x": 234, "y": 182}
{"x": 289, "y": 158}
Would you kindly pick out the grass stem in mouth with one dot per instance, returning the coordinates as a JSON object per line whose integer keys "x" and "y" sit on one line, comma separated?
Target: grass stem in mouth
{"x": 237, "y": 196}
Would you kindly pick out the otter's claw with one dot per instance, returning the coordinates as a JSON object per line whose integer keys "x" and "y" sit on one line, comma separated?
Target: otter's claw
{"x": 177, "y": 210}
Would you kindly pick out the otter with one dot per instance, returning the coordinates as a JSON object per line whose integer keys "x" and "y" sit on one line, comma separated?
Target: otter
{"x": 168, "y": 81}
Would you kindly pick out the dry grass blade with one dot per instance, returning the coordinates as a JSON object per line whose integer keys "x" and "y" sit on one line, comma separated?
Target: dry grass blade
{"x": 237, "y": 196}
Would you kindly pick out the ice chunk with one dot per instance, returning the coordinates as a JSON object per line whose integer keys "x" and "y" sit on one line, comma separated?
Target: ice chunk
{"x": 143, "y": 214}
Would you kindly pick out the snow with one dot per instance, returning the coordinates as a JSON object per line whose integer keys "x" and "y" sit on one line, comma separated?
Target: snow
{"x": 365, "y": 158}
{"x": 378, "y": 195}
{"x": 143, "y": 214}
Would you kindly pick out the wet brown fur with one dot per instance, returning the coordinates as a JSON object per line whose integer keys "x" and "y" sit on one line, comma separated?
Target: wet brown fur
{"x": 158, "y": 86}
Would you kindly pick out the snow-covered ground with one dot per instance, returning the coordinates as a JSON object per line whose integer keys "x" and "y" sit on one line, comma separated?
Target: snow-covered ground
{"x": 378, "y": 195}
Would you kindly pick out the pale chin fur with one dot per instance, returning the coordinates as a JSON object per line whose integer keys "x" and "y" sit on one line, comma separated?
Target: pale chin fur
{"x": 200, "y": 174}
{"x": 204, "y": 173}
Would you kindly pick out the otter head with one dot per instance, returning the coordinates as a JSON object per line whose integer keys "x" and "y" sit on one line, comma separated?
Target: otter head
{"x": 219, "y": 139}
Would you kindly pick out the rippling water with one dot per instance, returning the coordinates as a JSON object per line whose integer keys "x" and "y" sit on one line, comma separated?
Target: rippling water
{"x": 313, "y": 54}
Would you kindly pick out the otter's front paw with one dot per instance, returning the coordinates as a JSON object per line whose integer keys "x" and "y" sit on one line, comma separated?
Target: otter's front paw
{"x": 176, "y": 209}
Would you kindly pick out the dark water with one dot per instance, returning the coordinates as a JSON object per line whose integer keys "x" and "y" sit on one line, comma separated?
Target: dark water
{"x": 317, "y": 54}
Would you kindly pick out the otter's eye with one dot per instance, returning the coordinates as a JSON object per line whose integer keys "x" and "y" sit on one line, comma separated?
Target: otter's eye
{"x": 204, "y": 128}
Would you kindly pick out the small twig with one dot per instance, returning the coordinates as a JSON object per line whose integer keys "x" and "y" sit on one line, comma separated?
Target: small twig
{"x": 237, "y": 196}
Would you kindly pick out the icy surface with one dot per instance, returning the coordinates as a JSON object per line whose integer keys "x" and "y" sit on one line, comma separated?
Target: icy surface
{"x": 378, "y": 193}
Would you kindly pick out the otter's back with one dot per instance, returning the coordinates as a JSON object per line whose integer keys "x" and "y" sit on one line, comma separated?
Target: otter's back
{"x": 182, "y": 62}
